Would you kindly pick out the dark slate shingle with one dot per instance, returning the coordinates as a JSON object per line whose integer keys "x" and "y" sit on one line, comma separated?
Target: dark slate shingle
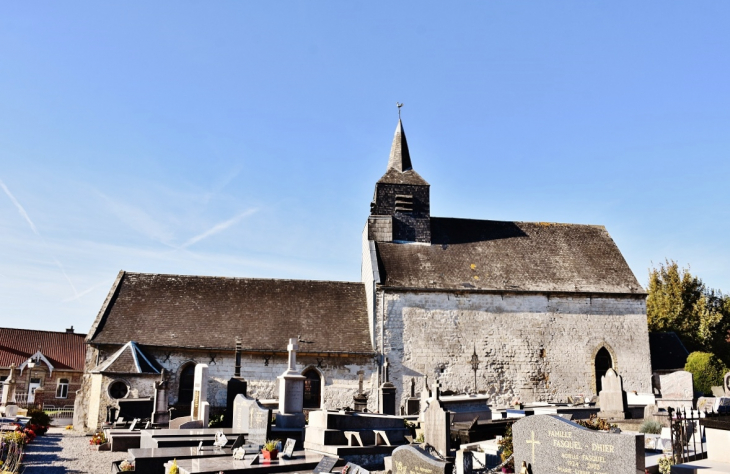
{"x": 470, "y": 254}
{"x": 209, "y": 312}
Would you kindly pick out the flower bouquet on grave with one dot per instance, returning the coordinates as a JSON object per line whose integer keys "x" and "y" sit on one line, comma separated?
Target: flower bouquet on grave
{"x": 506, "y": 449}
{"x": 270, "y": 450}
{"x": 126, "y": 466}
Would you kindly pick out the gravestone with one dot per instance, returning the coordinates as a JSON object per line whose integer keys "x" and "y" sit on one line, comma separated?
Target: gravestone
{"x": 161, "y": 415}
{"x": 409, "y": 459}
{"x": 705, "y": 404}
{"x": 386, "y": 404}
{"x": 436, "y": 425}
{"x": 236, "y": 385}
{"x": 351, "y": 468}
{"x": 251, "y": 418}
{"x": 612, "y": 398}
{"x": 676, "y": 390}
{"x": 722, "y": 405}
{"x": 200, "y": 409}
{"x": 412, "y": 406}
{"x": 726, "y": 384}
{"x": 8, "y": 389}
{"x": 550, "y": 444}
{"x": 360, "y": 400}
{"x": 291, "y": 393}
{"x": 325, "y": 465}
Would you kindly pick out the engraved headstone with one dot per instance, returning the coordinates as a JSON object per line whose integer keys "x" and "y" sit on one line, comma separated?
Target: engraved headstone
{"x": 325, "y": 465}
{"x": 351, "y": 468}
{"x": 200, "y": 408}
{"x": 413, "y": 460}
{"x": 291, "y": 392}
{"x": 676, "y": 390}
{"x": 612, "y": 398}
{"x": 436, "y": 427}
{"x": 252, "y": 418}
{"x": 550, "y": 444}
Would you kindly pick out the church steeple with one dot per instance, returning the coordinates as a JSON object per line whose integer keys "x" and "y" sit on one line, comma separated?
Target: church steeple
{"x": 400, "y": 158}
{"x": 401, "y": 207}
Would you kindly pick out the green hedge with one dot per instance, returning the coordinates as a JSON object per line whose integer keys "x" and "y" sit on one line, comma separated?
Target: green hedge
{"x": 707, "y": 371}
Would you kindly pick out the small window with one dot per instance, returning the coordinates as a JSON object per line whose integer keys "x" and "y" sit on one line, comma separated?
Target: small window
{"x": 62, "y": 388}
{"x": 118, "y": 390}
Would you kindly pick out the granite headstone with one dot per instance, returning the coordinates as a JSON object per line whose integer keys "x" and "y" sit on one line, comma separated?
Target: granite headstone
{"x": 550, "y": 444}
{"x": 436, "y": 427}
{"x": 251, "y": 418}
{"x": 325, "y": 465}
{"x": 612, "y": 398}
{"x": 413, "y": 460}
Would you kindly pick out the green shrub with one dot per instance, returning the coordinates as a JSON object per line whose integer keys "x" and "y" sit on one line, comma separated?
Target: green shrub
{"x": 651, "y": 427}
{"x": 707, "y": 371}
{"x": 38, "y": 417}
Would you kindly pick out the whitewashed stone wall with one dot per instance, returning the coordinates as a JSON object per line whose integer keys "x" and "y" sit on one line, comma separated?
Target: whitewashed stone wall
{"x": 531, "y": 347}
{"x": 338, "y": 374}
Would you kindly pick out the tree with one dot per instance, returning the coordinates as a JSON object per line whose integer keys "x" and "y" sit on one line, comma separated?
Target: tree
{"x": 680, "y": 302}
{"x": 707, "y": 371}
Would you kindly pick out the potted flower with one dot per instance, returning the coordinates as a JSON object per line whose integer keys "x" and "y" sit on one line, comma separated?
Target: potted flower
{"x": 99, "y": 441}
{"x": 269, "y": 451}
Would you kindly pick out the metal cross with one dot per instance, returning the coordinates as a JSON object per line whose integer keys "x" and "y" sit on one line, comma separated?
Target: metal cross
{"x": 533, "y": 442}
{"x": 399, "y": 105}
{"x": 475, "y": 366}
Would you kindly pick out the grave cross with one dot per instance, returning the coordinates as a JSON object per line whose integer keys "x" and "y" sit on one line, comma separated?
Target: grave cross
{"x": 533, "y": 442}
{"x": 293, "y": 347}
{"x": 385, "y": 370}
{"x": 360, "y": 374}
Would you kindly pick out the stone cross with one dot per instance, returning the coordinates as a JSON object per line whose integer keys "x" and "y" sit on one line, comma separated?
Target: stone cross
{"x": 385, "y": 370}
{"x": 437, "y": 390}
{"x": 413, "y": 387}
{"x": 237, "y": 368}
{"x": 293, "y": 347}
{"x": 360, "y": 374}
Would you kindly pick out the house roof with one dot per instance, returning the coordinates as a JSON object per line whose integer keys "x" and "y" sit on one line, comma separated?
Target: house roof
{"x": 129, "y": 359}
{"x": 64, "y": 350}
{"x": 470, "y": 254}
{"x": 202, "y": 312}
{"x": 667, "y": 351}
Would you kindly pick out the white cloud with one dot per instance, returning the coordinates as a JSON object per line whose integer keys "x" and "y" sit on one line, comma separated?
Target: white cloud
{"x": 217, "y": 228}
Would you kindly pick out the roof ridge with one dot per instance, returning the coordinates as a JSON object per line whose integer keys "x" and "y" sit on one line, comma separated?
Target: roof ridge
{"x": 546, "y": 223}
{"x": 44, "y": 330}
{"x": 245, "y": 278}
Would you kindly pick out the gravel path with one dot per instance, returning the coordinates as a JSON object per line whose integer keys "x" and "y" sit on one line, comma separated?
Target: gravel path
{"x": 62, "y": 452}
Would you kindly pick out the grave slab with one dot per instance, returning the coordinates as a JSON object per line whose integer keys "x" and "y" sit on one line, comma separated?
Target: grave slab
{"x": 300, "y": 461}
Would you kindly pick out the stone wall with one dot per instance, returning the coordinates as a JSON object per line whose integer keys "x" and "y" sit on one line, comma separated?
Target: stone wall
{"x": 339, "y": 379}
{"x": 530, "y": 346}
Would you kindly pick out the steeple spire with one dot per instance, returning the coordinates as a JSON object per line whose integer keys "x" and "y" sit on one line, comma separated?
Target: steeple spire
{"x": 400, "y": 158}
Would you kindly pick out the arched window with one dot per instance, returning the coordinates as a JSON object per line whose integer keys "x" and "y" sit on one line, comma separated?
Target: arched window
{"x": 187, "y": 379}
{"x": 312, "y": 389}
{"x": 603, "y": 363}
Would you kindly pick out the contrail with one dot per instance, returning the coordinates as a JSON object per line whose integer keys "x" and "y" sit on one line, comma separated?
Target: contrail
{"x": 25, "y": 215}
{"x": 217, "y": 228}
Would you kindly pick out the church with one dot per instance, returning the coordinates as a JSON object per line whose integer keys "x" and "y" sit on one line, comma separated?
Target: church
{"x": 521, "y": 311}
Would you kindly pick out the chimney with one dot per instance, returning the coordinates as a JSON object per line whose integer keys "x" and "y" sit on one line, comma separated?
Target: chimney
{"x": 70, "y": 330}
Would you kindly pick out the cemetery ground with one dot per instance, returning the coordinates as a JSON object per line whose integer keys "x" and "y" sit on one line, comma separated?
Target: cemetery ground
{"x": 62, "y": 451}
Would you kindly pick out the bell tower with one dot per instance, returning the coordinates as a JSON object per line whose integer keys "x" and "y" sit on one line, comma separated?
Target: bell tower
{"x": 401, "y": 207}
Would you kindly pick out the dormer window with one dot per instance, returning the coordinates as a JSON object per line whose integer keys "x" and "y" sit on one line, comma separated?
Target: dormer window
{"x": 404, "y": 203}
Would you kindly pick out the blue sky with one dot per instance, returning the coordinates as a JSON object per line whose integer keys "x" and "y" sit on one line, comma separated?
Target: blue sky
{"x": 245, "y": 138}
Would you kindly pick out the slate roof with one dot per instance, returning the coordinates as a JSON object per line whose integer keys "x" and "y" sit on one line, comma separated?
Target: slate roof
{"x": 400, "y": 169}
{"x": 129, "y": 359}
{"x": 667, "y": 351}
{"x": 470, "y": 254}
{"x": 209, "y": 312}
{"x": 64, "y": 350}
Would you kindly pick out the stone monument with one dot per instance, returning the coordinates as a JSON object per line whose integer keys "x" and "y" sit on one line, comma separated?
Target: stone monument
{"x": 612, "y": 398}
{"x": 676, "y": 390}
{"x": 236, "y": 386}
{"x": 413, "y": 460}
{"x": 200, "y": 409}
{"x": 7, "y": 398}
{"x": 387, "y": 394}
{"x": 161, "y": 415}
{"x": 412, "y": 405}
{"x": 291, "y": 392}
{"x": 251, "y": 418}
{"x": 550, "y": 444}
{"x": 360, "y": 399}
{"x": 437, "y": 424}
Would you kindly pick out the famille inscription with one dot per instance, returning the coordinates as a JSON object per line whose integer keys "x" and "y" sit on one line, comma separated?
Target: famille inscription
{"x": 553, "y": 445}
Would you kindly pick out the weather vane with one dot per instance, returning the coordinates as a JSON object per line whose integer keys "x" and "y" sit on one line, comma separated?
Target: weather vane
{"x": 399, "y": 105}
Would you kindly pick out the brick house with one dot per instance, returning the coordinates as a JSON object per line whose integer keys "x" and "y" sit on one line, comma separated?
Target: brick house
{"x": 58, "y": 365}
